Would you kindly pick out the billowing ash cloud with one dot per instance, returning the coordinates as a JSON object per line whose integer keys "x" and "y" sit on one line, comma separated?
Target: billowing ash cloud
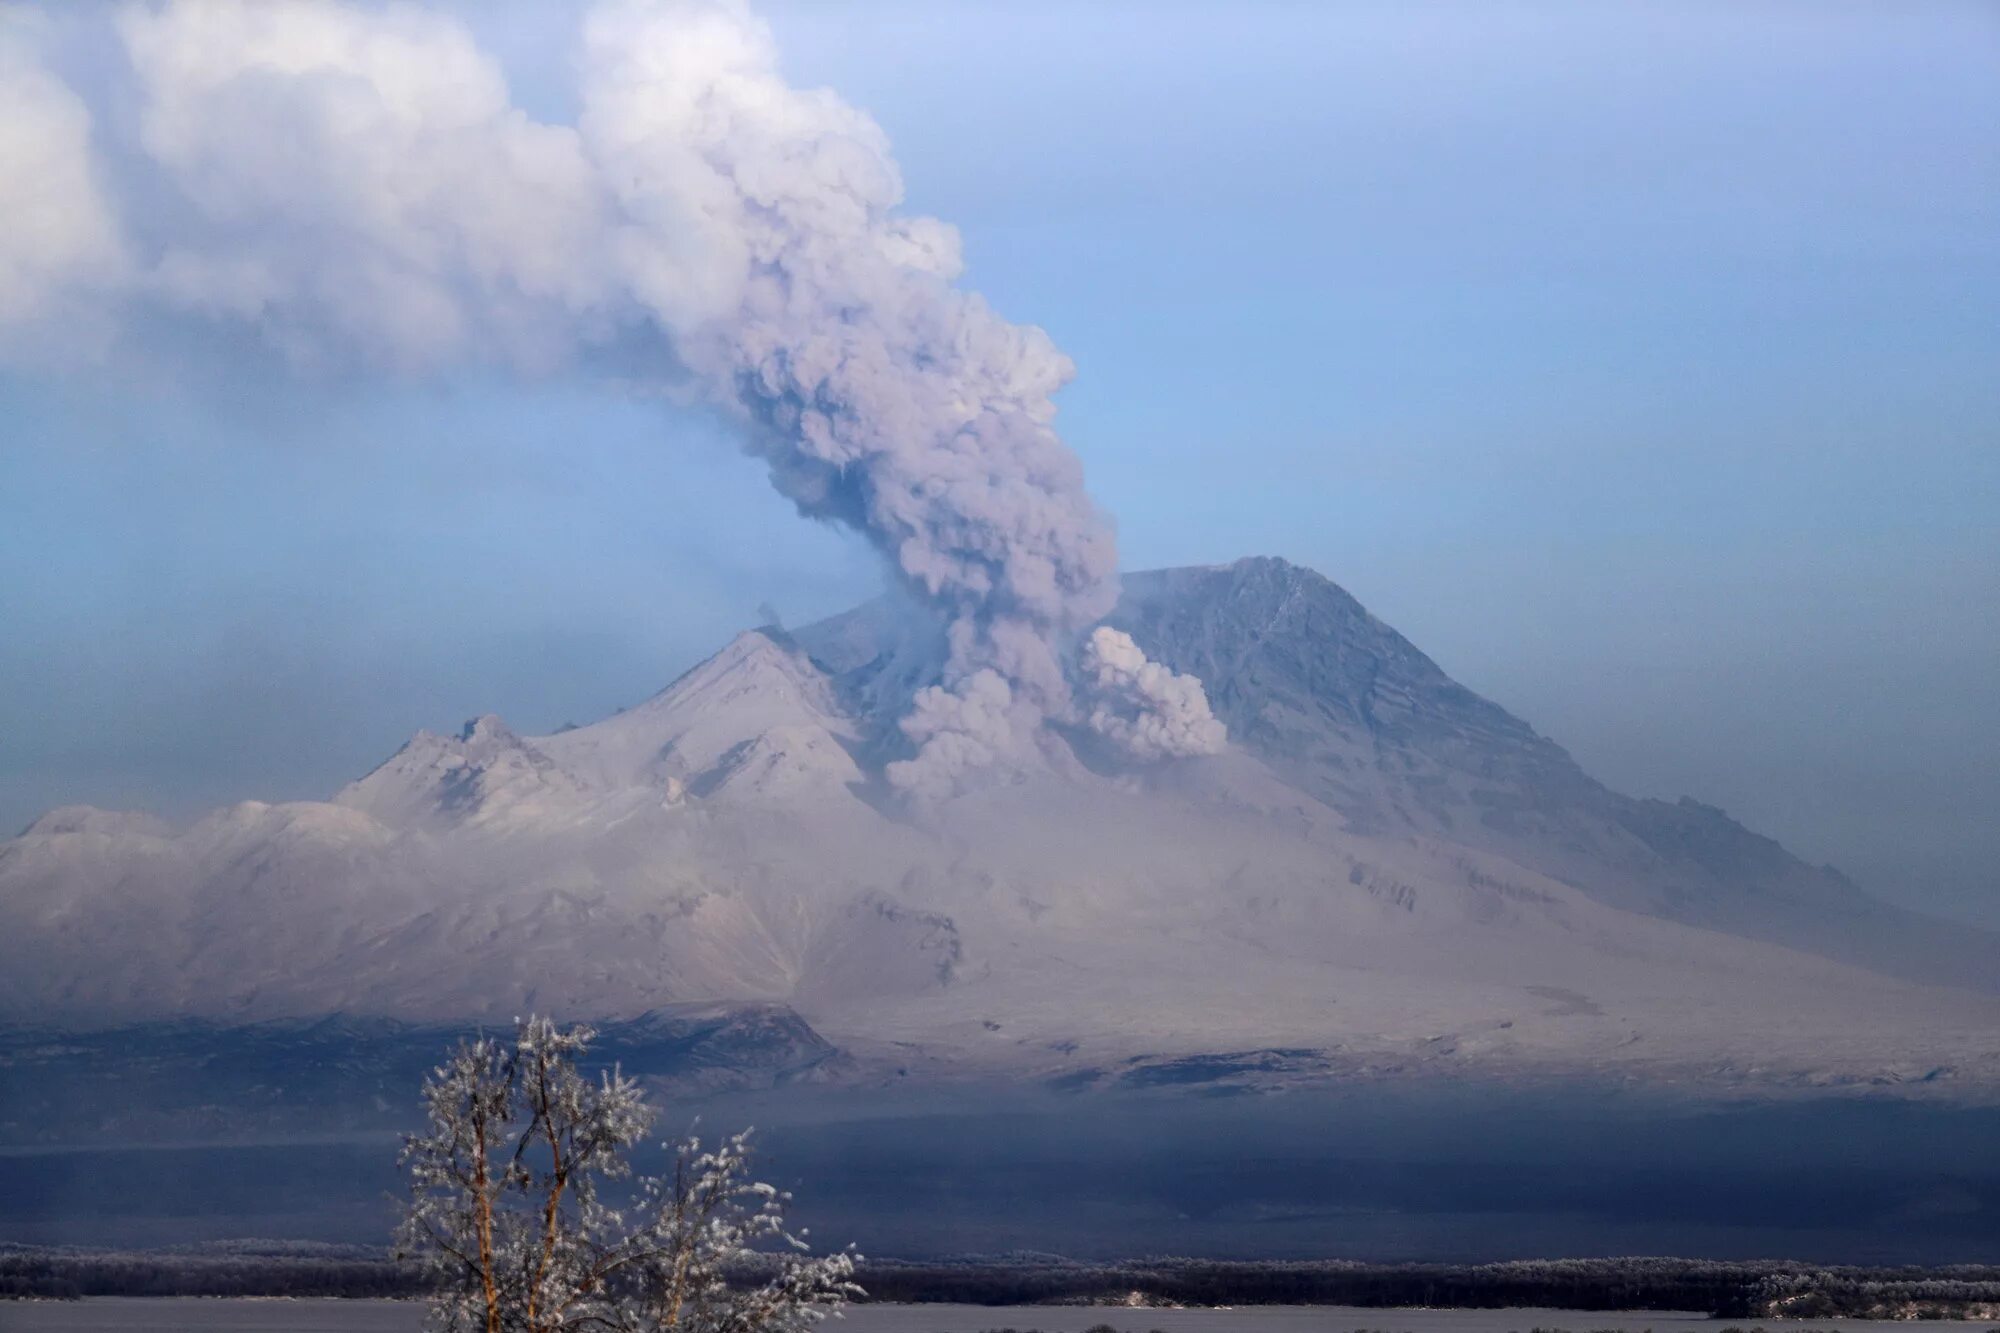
{"x": 358, "y": 187}
{"x": 1149, "y": 710}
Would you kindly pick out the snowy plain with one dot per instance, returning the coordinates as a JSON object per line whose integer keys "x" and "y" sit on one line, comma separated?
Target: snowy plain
{"x": 190, "y": 1315}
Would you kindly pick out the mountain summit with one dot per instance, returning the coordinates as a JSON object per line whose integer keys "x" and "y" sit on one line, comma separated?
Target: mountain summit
{"x": 1383, "y": 872}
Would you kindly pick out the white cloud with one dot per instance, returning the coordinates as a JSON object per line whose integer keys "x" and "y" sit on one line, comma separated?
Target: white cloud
{"x": 357, "y": 184}
{"x": 59, "y": 242}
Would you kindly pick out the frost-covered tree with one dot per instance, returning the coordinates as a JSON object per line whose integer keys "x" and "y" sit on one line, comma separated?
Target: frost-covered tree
{"x": 511, "y": 1216}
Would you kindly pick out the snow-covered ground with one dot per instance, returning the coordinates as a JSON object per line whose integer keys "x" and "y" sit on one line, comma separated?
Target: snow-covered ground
{"x": 195, "y": 1315}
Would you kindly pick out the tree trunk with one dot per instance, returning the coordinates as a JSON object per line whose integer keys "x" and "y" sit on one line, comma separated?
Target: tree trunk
{"x": 485, "y": 1206}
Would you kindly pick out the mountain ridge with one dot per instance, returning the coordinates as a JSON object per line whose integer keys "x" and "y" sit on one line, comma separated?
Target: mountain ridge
{"x": 1383, "y": 871}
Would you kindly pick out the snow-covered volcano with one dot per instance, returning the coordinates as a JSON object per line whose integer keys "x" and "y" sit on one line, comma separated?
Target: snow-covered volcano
{"x": 1383, "y": 872}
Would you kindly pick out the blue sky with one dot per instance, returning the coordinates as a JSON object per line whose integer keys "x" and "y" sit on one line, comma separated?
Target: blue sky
{"x": 1636, "y": 361}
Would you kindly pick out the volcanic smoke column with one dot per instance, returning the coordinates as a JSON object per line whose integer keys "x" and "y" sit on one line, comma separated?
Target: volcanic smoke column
{"x": 356, "y": 184}
{"x": 882, "y": 396}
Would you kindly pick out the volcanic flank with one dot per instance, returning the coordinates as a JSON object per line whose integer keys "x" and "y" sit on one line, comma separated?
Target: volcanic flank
{"x": 1380, "y": 872}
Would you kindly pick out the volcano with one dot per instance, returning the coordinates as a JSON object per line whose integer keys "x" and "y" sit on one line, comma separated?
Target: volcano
{"x": 1383, "y": 875}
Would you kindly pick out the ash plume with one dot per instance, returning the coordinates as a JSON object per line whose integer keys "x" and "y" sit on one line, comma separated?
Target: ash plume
{"x": 357, "y": 186}
{"x": 1149, "y": 710}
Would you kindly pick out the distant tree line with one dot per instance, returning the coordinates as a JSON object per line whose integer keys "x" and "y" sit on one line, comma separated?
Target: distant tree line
{"x": 1765, "y": 1290}
{"x": 1859, "y": 1294}
{"x": 1726, "y": 1289}
{"x": 278, "y": 1271}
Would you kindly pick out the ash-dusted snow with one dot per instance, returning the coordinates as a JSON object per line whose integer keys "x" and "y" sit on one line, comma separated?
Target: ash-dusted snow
{"x": 1380, "y": 873}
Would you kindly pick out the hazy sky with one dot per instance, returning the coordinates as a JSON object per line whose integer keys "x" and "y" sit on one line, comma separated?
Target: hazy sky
{"x": 1637, "y": 361}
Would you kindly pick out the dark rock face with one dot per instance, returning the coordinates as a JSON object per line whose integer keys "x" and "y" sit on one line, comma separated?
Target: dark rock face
{"x": 191, "y": 1080}
{"x": 717, "y": 1046}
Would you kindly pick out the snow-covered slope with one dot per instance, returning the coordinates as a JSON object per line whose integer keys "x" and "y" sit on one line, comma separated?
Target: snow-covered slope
{"x": 758, "y": 721}
{"x": 1342, "y": 706}
{"x": 1383, "y": 873}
